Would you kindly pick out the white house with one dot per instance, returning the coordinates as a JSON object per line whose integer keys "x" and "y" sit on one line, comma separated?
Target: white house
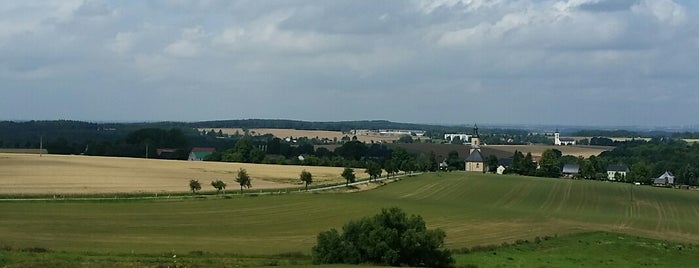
{"x": 616, "y": 172}
{"x": 664, "y": 180}
{"x": 462, "y": 137}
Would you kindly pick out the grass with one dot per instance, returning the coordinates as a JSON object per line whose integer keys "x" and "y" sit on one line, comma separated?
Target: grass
{"x": 598, "y": 249}
{"x": 474, "y": 209}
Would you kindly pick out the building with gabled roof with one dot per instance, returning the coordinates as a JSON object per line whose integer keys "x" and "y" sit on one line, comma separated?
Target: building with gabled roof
{"x": 616, "y": 172}
{"x": 570, "y": 170}
{"x": 199, "y": 153}
{"x": 667, "y": 179}
{"x": 475, "y": 161}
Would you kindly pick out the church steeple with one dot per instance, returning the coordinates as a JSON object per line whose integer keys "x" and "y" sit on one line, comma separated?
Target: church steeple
{"x": 476, "y": 139}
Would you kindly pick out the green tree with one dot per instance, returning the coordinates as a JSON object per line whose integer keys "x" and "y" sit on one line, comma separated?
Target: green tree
{"x": 492, "y": 163}
{"x": 528, "y": 165}
{"x": 194, "y": 185}
{"x": 517, "y": 163}
{"x": 406, "y": 139}
{"x": 433, "y": 162}
{"x": 388, "y": 238}
{"x": 639, "y": 172}
{"x": 219, "y": 185}
{"x": 455, "y": 162}
{"x": 348, "y": 174}
{"x": 306, "y": 177}
{"x": 587, "y": 170}
{"x": 549, "y": 164}
{"x": 243, "y": 179}
{"x": 374, "y": 170}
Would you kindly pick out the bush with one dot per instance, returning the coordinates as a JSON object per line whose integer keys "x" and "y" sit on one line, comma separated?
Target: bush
{"x": 389, "y": 238}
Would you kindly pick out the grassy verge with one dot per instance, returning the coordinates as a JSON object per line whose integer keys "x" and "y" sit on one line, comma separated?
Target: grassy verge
{"x": 598, "y": 249}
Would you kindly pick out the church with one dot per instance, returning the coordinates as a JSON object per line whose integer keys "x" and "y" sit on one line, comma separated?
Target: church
{"x": 475, "y": 162}
{"x": 557, "y": 140}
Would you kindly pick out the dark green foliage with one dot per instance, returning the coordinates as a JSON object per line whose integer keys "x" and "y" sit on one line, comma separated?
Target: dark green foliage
{"x": 306, "y": 177}
{"x": 374, "y": 170}
{"x": 549, "y": 164}
{"x": 348, "y": 175}
{"x": 454, "y": 162}
{"x": 219, "y": 185}
{"x": 194, "y": 186}
{"x": 492, "y": 163}
{"x": 243, "y": 179}
{"x": 388, "y": 238}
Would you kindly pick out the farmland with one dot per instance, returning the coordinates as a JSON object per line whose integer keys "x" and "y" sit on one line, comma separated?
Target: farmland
{"x": 71, "y": 174}
{"x": 363, "y": 136}
{"x": 473, "y": 209}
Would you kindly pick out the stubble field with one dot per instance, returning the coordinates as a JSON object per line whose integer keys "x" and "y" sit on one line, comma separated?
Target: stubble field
{"x": 70, "y": 174}
{"x": 536, "y": 150}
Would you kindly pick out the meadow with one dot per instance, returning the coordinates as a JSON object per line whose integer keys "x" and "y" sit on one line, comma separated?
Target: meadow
{"x": 73, "y": 174}
{"x": 474, "y": 209}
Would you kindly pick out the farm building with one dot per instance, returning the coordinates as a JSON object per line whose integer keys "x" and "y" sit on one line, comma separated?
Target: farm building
{"x": 199, "y": 153}
{"x": 570, "y": 170}
{"x": 616, "y": 172}
{"x": 666, "y": 179}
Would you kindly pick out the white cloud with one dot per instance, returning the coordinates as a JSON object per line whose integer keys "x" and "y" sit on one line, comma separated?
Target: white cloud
{"x": 665, "y": 11}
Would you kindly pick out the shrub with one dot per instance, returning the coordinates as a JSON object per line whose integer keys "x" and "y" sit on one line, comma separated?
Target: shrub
{"x": 388, "y": 238}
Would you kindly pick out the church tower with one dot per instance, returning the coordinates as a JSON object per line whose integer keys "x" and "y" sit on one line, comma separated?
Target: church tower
{"x": 476, "y": 139}
{"x": 557, "y": 138}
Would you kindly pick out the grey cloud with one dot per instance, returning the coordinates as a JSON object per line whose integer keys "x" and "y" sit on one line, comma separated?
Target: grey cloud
{"x": 499, "y": 61}
{"x": 608, "y": 5}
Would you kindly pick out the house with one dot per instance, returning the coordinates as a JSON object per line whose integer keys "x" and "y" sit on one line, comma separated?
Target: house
{"x": 199, "y": 153}
{"x": 503, "y": 164}
{"x": 617, "y": 172}
{"x": 557, "y": 140}
{"x": 570, "y": 170}
{"x": 666, "y": 179}
{"x": 475, "y": 161}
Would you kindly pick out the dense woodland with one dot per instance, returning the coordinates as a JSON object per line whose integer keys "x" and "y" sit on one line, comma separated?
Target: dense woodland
{"x": 646, "y": 159}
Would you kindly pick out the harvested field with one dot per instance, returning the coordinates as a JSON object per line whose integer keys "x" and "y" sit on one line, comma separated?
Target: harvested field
{"x": 320, "y": 134}
{"x": 64, "y": 174}
{"x": 537, "y": 150}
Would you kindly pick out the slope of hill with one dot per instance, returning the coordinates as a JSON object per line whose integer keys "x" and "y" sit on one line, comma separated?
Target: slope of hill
{"x": 473, "y": 209}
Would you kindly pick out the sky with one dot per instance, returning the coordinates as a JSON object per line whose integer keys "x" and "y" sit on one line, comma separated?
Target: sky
{"x": 565, "y": 62}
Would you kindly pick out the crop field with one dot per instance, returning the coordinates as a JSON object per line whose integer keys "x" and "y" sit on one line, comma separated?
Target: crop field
{"x": 473, "y": 209}
{"x": 320, "y": 134}
{"x": 64, "y": 174}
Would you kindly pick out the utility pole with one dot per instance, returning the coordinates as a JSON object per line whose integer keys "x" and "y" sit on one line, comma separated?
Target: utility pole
{"x": 146, "y": 150}
{"x": 41, "y": 145}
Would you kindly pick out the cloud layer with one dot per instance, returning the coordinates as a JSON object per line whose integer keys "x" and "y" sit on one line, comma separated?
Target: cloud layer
{"x": 589, "y": 62}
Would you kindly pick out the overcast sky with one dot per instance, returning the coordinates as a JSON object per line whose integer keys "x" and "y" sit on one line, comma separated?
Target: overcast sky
{"x": 570, "y": 62}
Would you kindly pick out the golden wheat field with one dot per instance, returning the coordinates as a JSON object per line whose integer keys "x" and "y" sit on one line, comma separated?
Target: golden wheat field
{"x": 363, "y": 136}
{"x": 64, "y": 174}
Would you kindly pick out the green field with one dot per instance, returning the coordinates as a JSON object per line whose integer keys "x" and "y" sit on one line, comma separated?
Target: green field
{"x": 473, "y": 209}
